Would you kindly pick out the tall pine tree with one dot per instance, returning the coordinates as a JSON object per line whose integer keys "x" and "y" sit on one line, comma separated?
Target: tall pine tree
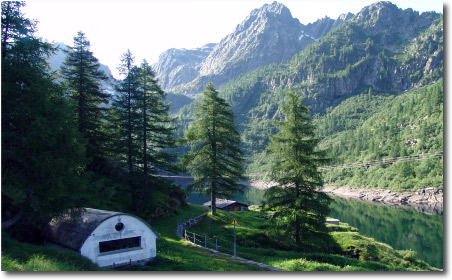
{"x": 42, "y": 156}
{"x": 299, "y": 206}
{"x": 125, "y": 112}
{"x": 154, "y": 130}
{"x": 83, "y": 79}
{"x": 157, "y": 127}
{"x": 215, "y": 159}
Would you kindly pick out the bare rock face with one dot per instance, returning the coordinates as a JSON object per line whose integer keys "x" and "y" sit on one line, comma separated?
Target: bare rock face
{"x": 321, "y": 27}
{"x": 267, "y": 35}
{"x": 179, "y": 66}
{"x": 384, "y": 15}
{"x": 428, "y": 200}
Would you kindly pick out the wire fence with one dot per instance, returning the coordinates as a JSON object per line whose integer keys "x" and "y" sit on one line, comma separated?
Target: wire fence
{"x": 360, "y": 164}
{"x": 205, "y": 241}
{"x": 384, "y": 161}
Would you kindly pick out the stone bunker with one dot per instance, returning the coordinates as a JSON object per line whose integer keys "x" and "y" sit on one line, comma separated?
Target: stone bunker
{"x": 106, "y": 238}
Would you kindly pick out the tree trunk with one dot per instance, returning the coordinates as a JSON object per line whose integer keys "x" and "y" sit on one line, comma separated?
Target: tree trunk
{"x": 5, "y": 32}
{"x": 213, "y": 146}
{"x": 297, "y": 219}
{"x": 129, "y": 125}
{"x": 145, "y": 159}
{"x": 213, "y": 203}
{"x": 297, "y": 231}
{"x": 81, "y": 101}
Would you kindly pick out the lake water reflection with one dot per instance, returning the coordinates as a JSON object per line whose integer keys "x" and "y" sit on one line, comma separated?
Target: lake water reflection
{"x": 401, "y": 228}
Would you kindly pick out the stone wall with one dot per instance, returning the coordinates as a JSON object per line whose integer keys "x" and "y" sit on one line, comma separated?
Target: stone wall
{"x": 188, "y": 224}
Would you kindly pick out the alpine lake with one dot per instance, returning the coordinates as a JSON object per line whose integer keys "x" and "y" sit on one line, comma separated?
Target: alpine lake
{"x": 402, "y": 228}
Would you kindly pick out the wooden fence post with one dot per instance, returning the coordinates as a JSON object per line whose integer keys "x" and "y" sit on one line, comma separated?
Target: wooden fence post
{"x": 205, "y": 241}
{"x": 216, "y": 244}
{"x": 194, "y": 238}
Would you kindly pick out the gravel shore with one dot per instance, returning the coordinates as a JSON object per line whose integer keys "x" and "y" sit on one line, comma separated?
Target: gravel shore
{"x": 428, "y": 200}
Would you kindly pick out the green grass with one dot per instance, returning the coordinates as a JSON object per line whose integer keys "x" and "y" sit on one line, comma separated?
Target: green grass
{"x": 177, "y": 255}
{"x": 173, "y": 254}
{"x": 18, "y": 256}
{"x": 363, "y": 253}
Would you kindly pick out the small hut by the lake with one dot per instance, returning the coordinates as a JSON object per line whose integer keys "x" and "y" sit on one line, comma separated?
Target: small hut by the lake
{"x": 107, "y": 238}
{"x": 228, "y": 205}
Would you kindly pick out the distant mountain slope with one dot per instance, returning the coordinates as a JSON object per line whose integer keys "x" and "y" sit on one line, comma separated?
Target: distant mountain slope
{"x": 59, "y": 57}
{"x": 383, "y": 49}
{"x": 387, "y": 127}
{"x": 180, "y": 66}
{"x": 321, "y": 27}
{"x": 355, "y": 56}
{"x": 267, "y": 35}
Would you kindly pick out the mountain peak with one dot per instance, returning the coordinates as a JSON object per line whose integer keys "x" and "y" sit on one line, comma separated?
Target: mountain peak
{"x": 377, "y": 10}
{"x": 267, "y": 14}
{"x": 385, "y": 15}
{"x": 274, "y": 7}
{"x": 268, "y": 32}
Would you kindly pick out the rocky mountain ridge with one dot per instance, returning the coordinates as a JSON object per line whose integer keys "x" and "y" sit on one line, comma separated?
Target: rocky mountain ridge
{"x": 358, "y": 56}
{"x": 180, "y": 66}
{"x": 267, "y": 35}
{"x": 321, "y": 27}
{"x": 361, "y": 53}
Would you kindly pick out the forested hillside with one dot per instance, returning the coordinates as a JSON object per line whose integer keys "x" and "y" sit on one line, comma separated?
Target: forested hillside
{"x": 360, "y": 73}
{"x": 63, "y": 148}
{"x": 357, "y": 101}
{"x": 399, "y": 126}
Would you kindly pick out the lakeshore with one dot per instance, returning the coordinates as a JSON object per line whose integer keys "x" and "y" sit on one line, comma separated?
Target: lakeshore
{"x": 427, "y": 200}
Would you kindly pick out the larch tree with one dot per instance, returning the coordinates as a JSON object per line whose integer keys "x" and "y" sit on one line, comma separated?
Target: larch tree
{"x": 42, "y": 154}
{"x": 154, "y": 130}
{"x": 83, "y": 79}
{"x": 14, "y": 25}
{"x": 297, "y": 202}
{"x": 124, "y": 118}
{"x": 215, "y": 159}
{"x": 125, "y": 112}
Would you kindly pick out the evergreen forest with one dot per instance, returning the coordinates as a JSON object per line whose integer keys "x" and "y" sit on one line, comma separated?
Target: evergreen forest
{"x": 364, "y": 95}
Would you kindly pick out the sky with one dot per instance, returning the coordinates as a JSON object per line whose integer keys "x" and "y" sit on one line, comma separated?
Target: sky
{"x": 150, "y": 27}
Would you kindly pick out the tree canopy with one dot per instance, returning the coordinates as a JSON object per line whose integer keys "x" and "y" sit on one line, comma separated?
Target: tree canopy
{"x": 42, "y": 151}
{"x": 215, "y": 157}
{"x": 83, "y": 78}
{"x": 297, "y": 202}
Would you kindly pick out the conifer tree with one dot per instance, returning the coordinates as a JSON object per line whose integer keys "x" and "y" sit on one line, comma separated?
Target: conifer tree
{"x": 154, "y": 130}
{"x": 297, "y": 202}
{"x": 156, "y": 126}
{"x": 83, "y": 79}
{"x": 42, "y": 156}
{"x": 215, "y": 158}
{"x": 125, "y": 112}
{"x": 14, "y": 25}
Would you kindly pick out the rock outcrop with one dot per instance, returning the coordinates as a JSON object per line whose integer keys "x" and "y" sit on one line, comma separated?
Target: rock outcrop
{"x": 428, "y": 200}
{"x": 180, "y": 66}
{"x": 321, "y": 27}
{"x": 267, "y": 35}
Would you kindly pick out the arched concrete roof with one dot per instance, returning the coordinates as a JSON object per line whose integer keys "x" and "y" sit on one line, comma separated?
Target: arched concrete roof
{"x": 72, "y": 232}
